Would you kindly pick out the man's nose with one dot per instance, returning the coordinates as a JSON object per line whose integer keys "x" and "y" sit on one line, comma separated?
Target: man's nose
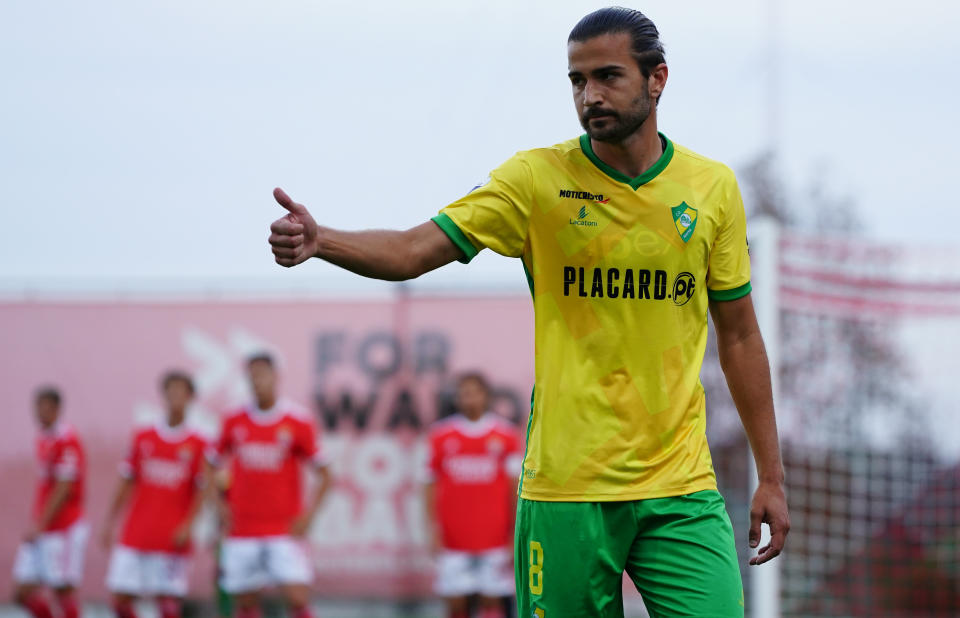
{"x": 592, "y": 94}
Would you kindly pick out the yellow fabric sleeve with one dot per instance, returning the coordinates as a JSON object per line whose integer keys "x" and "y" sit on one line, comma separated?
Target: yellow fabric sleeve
{"x": 728, "y": 274}
{"x": 495, "y": 215}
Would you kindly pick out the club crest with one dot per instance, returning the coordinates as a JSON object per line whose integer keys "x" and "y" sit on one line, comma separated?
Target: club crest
{"x": 685, "y": 218}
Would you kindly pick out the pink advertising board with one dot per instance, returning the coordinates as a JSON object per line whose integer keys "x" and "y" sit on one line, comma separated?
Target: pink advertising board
{"x": 375, "y": 373}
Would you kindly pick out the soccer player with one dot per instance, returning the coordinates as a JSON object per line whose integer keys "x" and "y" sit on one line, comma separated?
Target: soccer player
{"x": 163, "y": 472}
{"x": 51, "y": 554}
{"x": 471, "y": 472}
{"x": 267, "y": 443}
{"x": 628, "y": 240}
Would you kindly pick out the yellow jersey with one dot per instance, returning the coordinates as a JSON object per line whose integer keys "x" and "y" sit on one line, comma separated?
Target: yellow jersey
{"x": 621, "y": 270}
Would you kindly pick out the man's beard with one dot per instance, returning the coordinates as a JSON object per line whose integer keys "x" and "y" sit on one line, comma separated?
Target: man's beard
{"x": 619, "y": 125}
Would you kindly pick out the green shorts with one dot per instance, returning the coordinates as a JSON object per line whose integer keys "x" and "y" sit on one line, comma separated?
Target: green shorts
{"x": 679, "y": 552}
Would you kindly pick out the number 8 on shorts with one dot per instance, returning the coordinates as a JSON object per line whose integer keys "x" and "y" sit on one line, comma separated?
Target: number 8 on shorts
{"x": 536, "y": 568}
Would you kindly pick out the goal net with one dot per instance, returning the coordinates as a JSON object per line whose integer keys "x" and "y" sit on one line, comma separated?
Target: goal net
{"x": 862, "y": 338}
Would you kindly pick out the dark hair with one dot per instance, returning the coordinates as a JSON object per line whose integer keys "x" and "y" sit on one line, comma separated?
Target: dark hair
{"x": 48, "y": 393}
{"x": 474, "y": 376}
{"x": 261, "y": 357}
{"x": 176, "y": 375}
{"x": 644, "y": 36}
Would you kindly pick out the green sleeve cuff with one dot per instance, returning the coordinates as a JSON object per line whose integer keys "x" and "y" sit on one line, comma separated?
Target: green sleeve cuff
{"x": 733, "y": 294}
{"x": 459, "y": 239}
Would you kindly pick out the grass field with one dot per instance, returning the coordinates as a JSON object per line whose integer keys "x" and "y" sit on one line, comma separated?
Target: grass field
{"x": 323, "y": 609}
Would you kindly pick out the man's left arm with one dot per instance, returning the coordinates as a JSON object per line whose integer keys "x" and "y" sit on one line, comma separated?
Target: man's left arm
{"x": 65, "y": 473}
{"x": 202, "y": 478}
{"x": 321, "y": 486}
{"x": 55, "y": 502}
{"x": 308, "y": 447}
{"x": 743, "y": 358}
{"x": 181, "y": 534}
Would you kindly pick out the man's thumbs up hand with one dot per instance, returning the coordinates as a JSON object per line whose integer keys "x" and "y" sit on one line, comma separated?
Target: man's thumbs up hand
{"x": 294, "y": 237}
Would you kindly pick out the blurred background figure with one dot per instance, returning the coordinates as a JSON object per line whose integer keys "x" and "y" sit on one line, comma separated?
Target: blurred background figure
{"x": 51, "y": 554}
{"x": 263, "y": 514}
{"x": 473, "y": 467}
{"x": 163, "y": 472}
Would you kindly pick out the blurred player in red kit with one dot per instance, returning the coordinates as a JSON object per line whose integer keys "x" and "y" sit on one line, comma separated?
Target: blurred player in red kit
{"x": 267, "y": 442}
{"x": 163, "y": 472}
{"x": 52, "y": 551}
{"x": 473, "y": 467}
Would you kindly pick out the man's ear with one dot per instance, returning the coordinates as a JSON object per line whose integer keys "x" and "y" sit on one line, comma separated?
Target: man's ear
{"x": 657, "y": 81}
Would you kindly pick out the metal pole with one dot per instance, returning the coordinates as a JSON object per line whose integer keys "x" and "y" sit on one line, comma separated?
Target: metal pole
{"x": 773, "y": 70}
{"x": 764, "y": 599}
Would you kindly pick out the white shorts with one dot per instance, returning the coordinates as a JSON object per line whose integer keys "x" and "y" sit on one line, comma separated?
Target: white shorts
{"x": 53, "y": 559}
{"x": 147, "y": 573}
{"x": 489, "y": 573}
{"x": 248, "y": 564}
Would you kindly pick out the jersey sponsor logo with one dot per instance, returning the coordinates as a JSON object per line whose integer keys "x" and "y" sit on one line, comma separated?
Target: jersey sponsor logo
{"x": 627, "y": 283}
{"x": 471, "y": 468}
{"x": 163, "y": 472}
{"x": 683, "y": 288}
{"x": 267, "y": 456}
{"x": 68, "y": 464}
{"x": 685, "y": 218}
{"x": 69, "y": 458}
{"x": 583, "y": 195}
{"x": 582, "y": 218}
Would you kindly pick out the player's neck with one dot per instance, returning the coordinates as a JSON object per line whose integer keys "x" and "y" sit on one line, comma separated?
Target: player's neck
{"x": 175, "y": 419}
{"x": 473, "y": 416}
{"x": 51, "y": 427}
{"x": 637, "y": 153}
{"x": 265, "y": 404}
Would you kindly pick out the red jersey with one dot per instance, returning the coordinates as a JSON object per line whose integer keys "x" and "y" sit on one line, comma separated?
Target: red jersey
{"x": 166, "y": 466}
{"x": 475, "y": 466}
{"x": 266, "y": 449}
{"x": 61, "y": 458}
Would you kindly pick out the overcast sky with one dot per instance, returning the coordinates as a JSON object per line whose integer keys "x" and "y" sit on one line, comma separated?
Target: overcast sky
{"x": 140, "y": 141}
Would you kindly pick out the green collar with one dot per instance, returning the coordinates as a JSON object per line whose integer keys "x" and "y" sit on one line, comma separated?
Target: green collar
{"x": 619, "y": 176}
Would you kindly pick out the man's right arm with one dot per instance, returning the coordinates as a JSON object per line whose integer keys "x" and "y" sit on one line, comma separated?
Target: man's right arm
{"x": 378, "y": 254}
{"x": 120, "y": 496}
{"x": 430, "y": 516}
{"x": 215, "y": 492}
